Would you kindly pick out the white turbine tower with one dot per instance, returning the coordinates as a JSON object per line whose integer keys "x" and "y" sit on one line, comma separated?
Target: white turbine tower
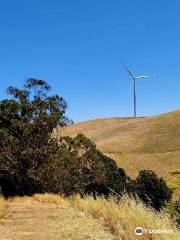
{"x": 133, "y": 84}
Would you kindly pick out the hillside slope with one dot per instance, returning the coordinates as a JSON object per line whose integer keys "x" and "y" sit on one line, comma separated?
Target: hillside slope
{"x": 138, "y": 143}
{"x": 148, "y": 135}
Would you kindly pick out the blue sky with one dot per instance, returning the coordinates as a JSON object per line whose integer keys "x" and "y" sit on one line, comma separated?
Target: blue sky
{"x": 77, "y": 47}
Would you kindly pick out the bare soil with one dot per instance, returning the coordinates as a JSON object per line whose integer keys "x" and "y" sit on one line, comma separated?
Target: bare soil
{"x": 30, "y": 220}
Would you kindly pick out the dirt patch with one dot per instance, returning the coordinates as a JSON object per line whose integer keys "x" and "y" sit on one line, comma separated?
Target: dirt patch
{"x": 30, "y": 220}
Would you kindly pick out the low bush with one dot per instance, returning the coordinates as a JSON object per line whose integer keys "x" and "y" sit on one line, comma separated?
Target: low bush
{"x": 152, "y": 190}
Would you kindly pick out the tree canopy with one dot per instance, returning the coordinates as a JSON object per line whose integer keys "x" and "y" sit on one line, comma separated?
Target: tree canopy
{"x": 26, "y": 123}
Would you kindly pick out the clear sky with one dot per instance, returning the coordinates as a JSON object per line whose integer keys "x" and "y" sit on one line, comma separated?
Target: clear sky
{"x": 77, "y": 46}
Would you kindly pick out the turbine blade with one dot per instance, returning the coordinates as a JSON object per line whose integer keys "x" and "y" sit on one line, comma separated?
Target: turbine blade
{"x": 131, "y": 87}
{"x": 144, "y": 76}
{"x": 127, "y": 69}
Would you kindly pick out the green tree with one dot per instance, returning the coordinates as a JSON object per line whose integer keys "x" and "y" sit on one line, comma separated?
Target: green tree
{"x": 26, "y": 124}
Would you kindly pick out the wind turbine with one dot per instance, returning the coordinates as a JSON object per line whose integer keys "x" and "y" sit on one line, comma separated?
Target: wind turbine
{"x": 133, "y": 84}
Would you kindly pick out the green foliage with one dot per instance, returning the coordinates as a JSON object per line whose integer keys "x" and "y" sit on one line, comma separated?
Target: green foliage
{"x": 26, "y": 123}
{"x": 152, "y": 190}
{"x": 80, "y": 168}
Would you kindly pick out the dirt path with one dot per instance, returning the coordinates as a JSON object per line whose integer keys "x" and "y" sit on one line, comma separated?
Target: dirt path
{"x": 30, "y": 220}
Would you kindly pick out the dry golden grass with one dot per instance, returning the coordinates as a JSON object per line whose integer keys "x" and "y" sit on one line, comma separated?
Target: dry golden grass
{"x": 3, "y": 207}
{"x": 55, "y": 217}
{"x": 19, "y": 199}
{"x": 122, "y": 219}
{"x": 175, "y": 171}
{"x": 49, "y": 198}
{"x": 41, "y": 198}
{"x": 155, "y": 134}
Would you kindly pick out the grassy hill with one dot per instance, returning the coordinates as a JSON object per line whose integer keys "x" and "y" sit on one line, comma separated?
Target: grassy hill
{"x": 137, "y": 143}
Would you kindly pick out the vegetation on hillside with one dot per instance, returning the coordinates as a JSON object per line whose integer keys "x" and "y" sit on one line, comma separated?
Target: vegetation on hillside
{"x": 137, "y": 143}
{"x": 32, "y": 160}
{"x": 152, "y": 190}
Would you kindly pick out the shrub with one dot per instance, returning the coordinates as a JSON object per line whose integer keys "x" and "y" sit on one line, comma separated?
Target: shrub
{"x": 152, "y": 190}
